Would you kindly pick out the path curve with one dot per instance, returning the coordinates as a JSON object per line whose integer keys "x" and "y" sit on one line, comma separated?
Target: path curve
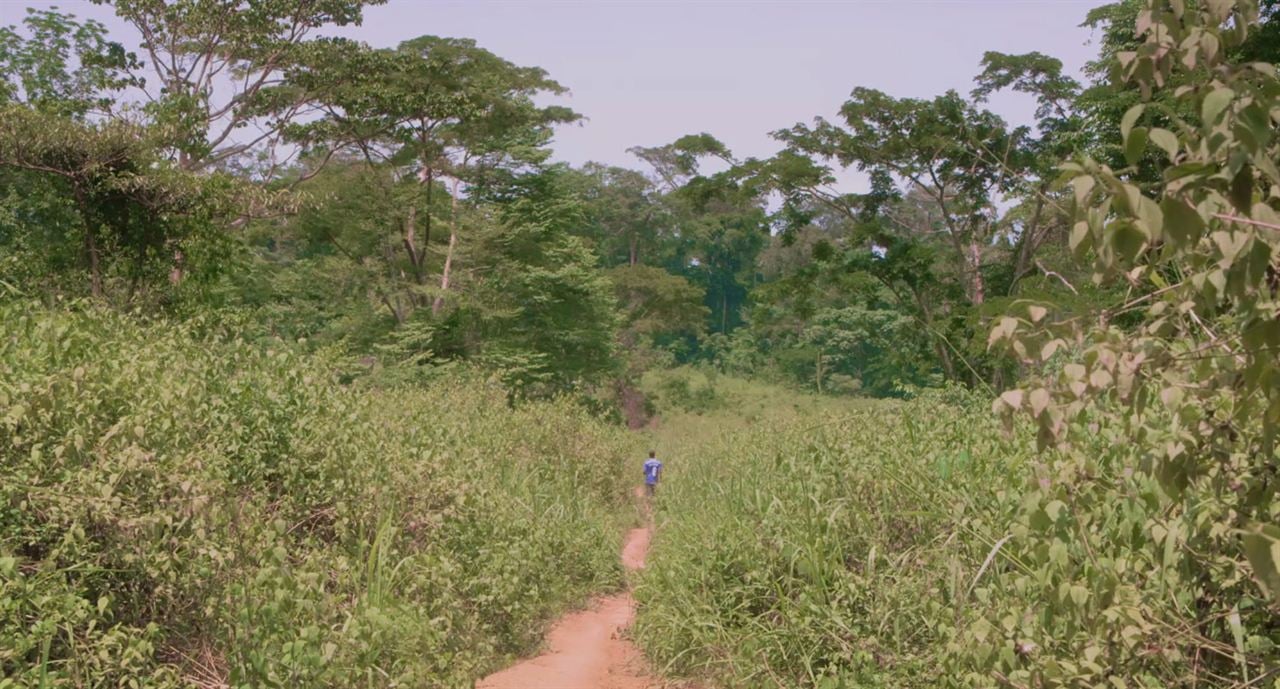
{"x": 586, "y": 649}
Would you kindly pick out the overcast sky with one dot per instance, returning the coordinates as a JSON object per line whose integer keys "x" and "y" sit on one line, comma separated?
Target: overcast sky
{"x": 645, "y": 73}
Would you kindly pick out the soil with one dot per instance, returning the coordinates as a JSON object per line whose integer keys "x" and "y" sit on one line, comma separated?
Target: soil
{"x": 587, "y": 649}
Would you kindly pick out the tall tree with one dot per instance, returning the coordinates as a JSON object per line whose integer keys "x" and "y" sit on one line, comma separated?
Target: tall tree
{"x": 61, "y": 66}
{"x": 720, "y": 222}
{"x": 216, "y": 66}
{"x": 444, "y": 109}
{"x": 959, "y": 157}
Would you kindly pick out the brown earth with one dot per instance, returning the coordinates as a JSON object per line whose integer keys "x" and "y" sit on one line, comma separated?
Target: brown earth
{"x": 587, "y": 649}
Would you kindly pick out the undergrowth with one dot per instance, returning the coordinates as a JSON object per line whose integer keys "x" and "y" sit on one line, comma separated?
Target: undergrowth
{"x": 180, "y": 508}
{"x": 918, "y": 544}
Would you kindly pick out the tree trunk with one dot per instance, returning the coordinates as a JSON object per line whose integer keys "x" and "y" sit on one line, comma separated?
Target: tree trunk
{"x": 395, "y": 312}
{"x": 634, "y": 255}
{"x": 818, "y": 374}
{"x": 724, "y": 311}
{"x": 939, "y": 346}
{"x": 91, "y": 252}
{"x": 176, "y": 272}
{"x": 448, "y": 256}
{"x": 410, "y": 241}
{"x": 95, "y": 263}
{"x": 427, "y": 177}
{"x": 975, "y": 263}
{"x": 1029, "y": 243}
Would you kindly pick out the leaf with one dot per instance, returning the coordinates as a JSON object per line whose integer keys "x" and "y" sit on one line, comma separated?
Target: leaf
{"x": 1127, "y": 240}
{"x": 1242, "y": 189}
{"x": 1013, "y": 398}
{"x": 1135, "y": 144}
{"x": 1262, "y": 547}
{"x": 1220, "y": 9}
{"x": 1079, "y": 233}
{"x": 1079, "y": 595}
{"x": 1181, "y": 222}
{"x": 1039, "y": 399}
{"x": 1130, "y": 118}
{"x": 1037, "y": 312}
{"x": 1214, "y": 104}
{"x": 1082, "y": 186}
{"x": 1166, "y": 140}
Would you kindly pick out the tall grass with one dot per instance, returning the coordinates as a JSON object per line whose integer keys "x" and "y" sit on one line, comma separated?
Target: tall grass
{"x": 181, "y": 508}
{"x": 824, "y": 544}
{"x": 918, "y": 544}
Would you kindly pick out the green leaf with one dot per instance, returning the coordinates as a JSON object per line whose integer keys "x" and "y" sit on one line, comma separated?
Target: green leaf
{"x": 1242, "y": 189}
{"x": 1130, "y": 118}
{"x": 1127, "y": 240}
{"x": 1182, "y": 223}
{"x": 1079, "y": 595}
{"x": 1135, "y": 144}
{"x": 1214, "y": 104}
{"x": 1166, "y": 140}
{"x": 1079, "y": 236}
{"x": 1262, "y": 547}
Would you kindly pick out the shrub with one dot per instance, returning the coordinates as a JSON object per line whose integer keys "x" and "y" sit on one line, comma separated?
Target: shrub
{"x": 179, "y": 507}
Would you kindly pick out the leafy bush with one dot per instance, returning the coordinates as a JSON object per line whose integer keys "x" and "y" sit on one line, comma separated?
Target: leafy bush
{"x": 684, "y": 390}
{"x": 180, "y": 507}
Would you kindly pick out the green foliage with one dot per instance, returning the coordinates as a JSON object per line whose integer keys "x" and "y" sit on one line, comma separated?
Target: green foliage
{"x": 99, "y": 192}
{"x": 220, "y": 69}
{"x": 836, "y": 549}
{"x": 685, "y": 389}
{"x": 657, "y": 304}
{"x": 61, "y": 66}
{"x": 542, "y": 295}
{"x": 179, "y": 507}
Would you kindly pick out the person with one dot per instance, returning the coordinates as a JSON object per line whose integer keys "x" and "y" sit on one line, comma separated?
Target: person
{"x": 652, "y": 470}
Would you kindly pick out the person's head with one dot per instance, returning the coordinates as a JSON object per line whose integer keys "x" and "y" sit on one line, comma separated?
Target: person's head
{"x": 652, "y": 454}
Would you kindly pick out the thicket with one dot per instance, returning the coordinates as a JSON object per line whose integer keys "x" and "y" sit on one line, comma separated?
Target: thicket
{"x": 917, "y": 545}
{"x": 179, "y": 507}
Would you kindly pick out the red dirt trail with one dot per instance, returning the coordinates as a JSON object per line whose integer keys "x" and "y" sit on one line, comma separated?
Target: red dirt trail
{"x": 586, "y": 649}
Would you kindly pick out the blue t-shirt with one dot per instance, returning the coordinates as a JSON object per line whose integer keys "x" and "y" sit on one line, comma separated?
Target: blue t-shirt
{"x": 652, "y": 468}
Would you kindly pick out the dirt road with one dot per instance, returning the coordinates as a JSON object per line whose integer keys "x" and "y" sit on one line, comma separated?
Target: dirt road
{"x": 586, "y": 649}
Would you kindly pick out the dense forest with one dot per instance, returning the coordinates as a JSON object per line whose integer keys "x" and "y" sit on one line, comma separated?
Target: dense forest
{"x": 315, "y": 366}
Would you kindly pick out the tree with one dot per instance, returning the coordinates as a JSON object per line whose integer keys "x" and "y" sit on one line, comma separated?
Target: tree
{"x": 444, "y": 109}
{"x": 101, "y": 187}
{"x": 61, "y": 66}
{"x": 720, "y": 223}
{"x": 626, "y": 215}
{"x": 656, "y": 304}
{"x": 961, "y": 158}
{"x": 219, "y": 66}
{"x": 548, "y": 315}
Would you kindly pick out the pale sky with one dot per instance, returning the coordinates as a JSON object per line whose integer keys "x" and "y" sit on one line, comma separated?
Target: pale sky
{"x": 646, "y": 73}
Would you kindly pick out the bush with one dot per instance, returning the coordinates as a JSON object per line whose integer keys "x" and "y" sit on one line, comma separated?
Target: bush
{"x": 179, "y": 507}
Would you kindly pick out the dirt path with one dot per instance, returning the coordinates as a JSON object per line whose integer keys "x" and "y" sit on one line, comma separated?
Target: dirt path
{"x": 586, "y": 649}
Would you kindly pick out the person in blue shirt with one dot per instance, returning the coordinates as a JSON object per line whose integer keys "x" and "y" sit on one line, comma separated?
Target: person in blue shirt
{"x": 652, "y": 471}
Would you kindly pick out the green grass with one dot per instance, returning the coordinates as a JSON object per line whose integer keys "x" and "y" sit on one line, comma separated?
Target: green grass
{"x": 828, "y": 542}
{"x": 178, "y": 507}
{"x": 809, "y": 541}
